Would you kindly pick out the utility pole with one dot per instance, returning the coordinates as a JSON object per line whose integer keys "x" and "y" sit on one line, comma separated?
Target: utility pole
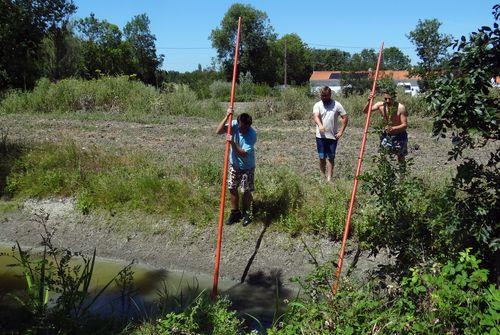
{"x": 285, "y": 63}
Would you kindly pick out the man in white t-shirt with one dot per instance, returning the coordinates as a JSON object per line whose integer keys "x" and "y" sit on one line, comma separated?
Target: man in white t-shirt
{"x": 326, "y": 113}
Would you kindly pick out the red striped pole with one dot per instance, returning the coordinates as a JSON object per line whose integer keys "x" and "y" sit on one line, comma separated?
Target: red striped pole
{"x": 226, "y": 164}
{"x": 358, "y": 172}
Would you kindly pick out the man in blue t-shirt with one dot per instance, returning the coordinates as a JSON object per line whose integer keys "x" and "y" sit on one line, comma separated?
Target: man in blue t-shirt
{"x": 241, "y": 164}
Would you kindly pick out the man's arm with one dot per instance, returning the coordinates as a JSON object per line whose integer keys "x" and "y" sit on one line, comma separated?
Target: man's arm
{"x": 239, "y": 150}
{"x": 375, "y": 106}
{"x": 221, "y": 128}
{"x": 317, "y": 120}
{"x": 344, "y": 120}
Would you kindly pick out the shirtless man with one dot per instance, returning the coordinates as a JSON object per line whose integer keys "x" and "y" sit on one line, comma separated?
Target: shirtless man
{"x": 395, "y": 138}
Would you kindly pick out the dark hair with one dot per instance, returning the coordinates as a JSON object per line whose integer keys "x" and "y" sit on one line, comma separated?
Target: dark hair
{"x": 245, "y": 118}
{"x": 325, "y": 90}
{"x": 389, "y": 90}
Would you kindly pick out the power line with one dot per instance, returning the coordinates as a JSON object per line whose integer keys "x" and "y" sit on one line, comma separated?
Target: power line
{"x": 351, "y": 46}
{"x": 184, "y": 48}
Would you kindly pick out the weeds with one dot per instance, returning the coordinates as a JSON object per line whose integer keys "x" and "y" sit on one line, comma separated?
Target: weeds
{"x": 58, "y": 289}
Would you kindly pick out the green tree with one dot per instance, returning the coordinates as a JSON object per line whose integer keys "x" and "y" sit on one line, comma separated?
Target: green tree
{"x": 103, "y": 48}
{"x": 431, "y": 47}
{"x": 298, "y": 59}
{"x": 363, "y": 61}
{"x": 395, "y": 59}
{"x": 464, "y": 103}
{"x": 24, "y": 24}
{"x": 255, "y": 52}
{"x": 142, "y": 42}
{"x": 61, "y": 54}
{"x": 330, "y": 59}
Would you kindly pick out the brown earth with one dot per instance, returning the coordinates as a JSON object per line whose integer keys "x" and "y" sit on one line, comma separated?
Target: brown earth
{"x": 183, "y": 246}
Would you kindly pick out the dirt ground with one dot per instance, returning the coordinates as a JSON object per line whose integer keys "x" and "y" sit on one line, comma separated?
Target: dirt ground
{"x": 183, "y": 246}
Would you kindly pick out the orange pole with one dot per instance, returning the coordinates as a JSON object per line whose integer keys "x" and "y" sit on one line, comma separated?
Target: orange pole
{"x": 226, "y": 164}
{"x": 358, "y": 172}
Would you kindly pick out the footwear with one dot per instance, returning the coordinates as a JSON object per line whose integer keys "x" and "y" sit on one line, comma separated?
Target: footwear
{"x": 234, "y": 217}
{"x": 246, "y": 220}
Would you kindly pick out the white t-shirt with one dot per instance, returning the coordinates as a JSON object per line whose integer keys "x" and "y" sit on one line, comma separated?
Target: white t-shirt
{"x": 329, "y": 115}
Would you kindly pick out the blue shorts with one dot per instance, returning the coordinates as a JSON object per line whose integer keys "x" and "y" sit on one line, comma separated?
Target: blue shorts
{"x": 326, "y": 148}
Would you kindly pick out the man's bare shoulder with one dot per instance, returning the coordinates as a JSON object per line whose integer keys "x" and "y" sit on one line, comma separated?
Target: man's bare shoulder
{"x": 402, "y": 109}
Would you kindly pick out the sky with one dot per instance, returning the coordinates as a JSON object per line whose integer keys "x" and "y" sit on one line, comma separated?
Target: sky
{"x": 182, "y": 28}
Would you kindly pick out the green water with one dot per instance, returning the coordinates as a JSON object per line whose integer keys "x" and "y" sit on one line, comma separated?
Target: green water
{"x": 257, "y": 297}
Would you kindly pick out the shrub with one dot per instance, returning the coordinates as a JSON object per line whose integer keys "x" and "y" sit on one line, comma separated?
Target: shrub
{"x": 294, "y": 104}
{"x": 107, "y": 94}
{"x": 201, "y": 317}
{"x": 434, "y": 299}
{"x": 220, "y": 90}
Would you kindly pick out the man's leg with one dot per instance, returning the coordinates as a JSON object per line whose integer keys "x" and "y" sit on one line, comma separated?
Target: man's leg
{"x": 233, "y": 182}
{"x": 322, "y": 166}
{"x": 247, "y": 201}
{"x": 235, "y": 200}
{"x": 329, "y": 169}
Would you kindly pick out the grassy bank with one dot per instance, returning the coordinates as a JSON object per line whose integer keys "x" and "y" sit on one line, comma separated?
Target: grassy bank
{"x": 124, "y": 181}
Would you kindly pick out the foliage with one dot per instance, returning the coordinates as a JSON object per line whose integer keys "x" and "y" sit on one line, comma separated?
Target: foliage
{"x": 462, "y": 102}
{"x": 142, "y": 43}
{"x": 107, "y": 50}
{"x": 297, "y": 57}
{"x": 24, "y": 25}
{"x": 199, "y": 80}
{"x": 436, "y": 299}
{"x": 61, "y": 54}
{"x": 114, "y": 95}
{"x": 355, "y": 83}
{"x": 363, "y": 61}
{"x": 330, "y": 59}
{"x": 431, "y": 47}
{"x": 59, "y": 296}
{"x": 406, "y": 217}
{"x": 201, "y": 317}
{"x": 255, "y": 52}
{"x": 394, "y": 59}
{"x": 415, "y": 221}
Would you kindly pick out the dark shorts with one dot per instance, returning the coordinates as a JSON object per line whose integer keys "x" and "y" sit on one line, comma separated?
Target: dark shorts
{"x": 395, "y": 144}
{"x": 242, "y": 178}
{"x": 326, "y": 148}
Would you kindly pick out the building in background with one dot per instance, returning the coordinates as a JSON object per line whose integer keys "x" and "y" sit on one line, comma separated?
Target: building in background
{"x": 333, "y": 79}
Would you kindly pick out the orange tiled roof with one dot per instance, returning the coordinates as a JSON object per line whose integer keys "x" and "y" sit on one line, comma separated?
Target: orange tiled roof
{"x": 396, "y": 75}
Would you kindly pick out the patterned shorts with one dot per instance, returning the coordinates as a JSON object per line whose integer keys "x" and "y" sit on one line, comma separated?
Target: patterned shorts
{"x": 242, "y": 178}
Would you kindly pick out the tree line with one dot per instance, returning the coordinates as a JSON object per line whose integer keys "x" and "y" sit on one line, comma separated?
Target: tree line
{"x": 39, "y": 40}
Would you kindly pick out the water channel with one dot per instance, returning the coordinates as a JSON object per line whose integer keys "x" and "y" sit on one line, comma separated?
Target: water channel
{"x": 260, "y": 296}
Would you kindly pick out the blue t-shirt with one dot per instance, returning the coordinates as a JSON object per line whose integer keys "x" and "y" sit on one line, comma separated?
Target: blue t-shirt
{"x": 247, "y": 143}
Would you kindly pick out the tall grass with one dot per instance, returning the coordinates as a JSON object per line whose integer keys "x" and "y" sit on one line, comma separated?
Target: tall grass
{"x": 99, "y": 179}
{"x": 110, "y": 96}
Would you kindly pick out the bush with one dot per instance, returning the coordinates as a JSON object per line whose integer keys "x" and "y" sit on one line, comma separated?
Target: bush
{"x": 294, "y": 104}
{"x": 107, "y": 94}
{"x": 435, "y": 299}
{"x": 220, "y": 90}
{"x": 202, "y": 317}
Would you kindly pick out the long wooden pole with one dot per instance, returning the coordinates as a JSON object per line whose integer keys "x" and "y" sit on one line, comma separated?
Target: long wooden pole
{"x": 226, "y": 164}
{"x": 356, "y": 177}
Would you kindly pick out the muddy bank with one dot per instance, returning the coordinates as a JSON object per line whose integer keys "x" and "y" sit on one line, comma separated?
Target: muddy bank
{"x": 249, "y": 253}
